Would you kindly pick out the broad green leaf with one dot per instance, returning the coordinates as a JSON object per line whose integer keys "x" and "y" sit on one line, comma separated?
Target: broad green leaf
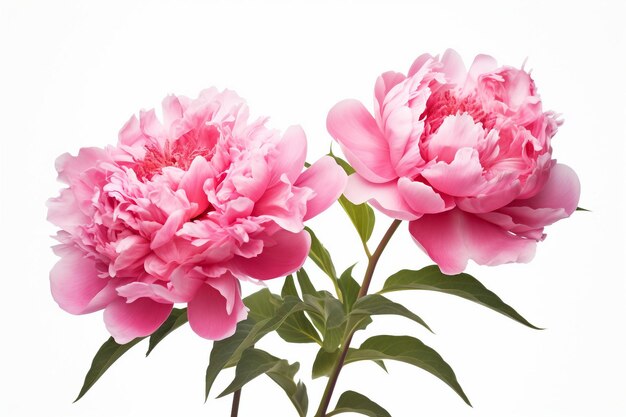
{"x": 297, "y": 328}
{"x": 353, "y": 402}
{"x": 306, "y": 286}
{"x": 409, "y": 350}
{"x": 262, "y": 304}
{"x": 362, "y": 217}
{"x": 256, "y": 362}
{"x": 321, "y": 257}
{"x": 227, "y": 352}
{"x": 324, "y": 362}
{"x": 106, "y": 356}
{"x": 376, "y": 304}
{"x": 463, "y": 285}
{"x": 349, "y": 288}
{"x": 329, "y": 310}
{"x": 177, "y": 318}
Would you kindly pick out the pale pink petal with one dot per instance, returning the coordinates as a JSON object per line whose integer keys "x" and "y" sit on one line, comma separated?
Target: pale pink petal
{"x": 456, "y": 132}
{"x": 289, "y": 155}
{"x": 173, "y": 223}
{"x": 361, "y": 140}
{"x": 482, "y": 64}
{"x": 384, "y": 84}
{"x": 64, "y": 211}
{"x": 284, "y": 253}
{"x": 193, "y": 181}
{"x": 422, "y": 198}
{"x": 419, "y": 63}
{"x": 71, "y": 168}
{"x": 463, "y": 177}
{"x": 127, "y": 321}
{"x": 172, "y": 110}
{"x": 208, "y": 316}
{"x": 453, "y": 67}
{"x": 385, "y": 197}
{"x": 491, "y": 200}
{"x": 561, "y": 191}
{"x": 327, "y": 179}
{"x": 453, "y": 237}
{"x": 74, "y": 280}
{"x": 398, "y": 128}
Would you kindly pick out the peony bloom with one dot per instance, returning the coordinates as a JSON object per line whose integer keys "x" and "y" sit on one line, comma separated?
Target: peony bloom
{"x": 180, "y": 212}
{"x": 464, "y": 155}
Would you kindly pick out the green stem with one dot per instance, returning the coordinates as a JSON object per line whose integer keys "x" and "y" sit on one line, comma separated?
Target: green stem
{"x": 367, "y": 279}
{"x": 235, "y": 407}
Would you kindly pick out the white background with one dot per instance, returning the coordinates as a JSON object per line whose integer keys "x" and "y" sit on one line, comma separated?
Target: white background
{"x": 72, "y": 72}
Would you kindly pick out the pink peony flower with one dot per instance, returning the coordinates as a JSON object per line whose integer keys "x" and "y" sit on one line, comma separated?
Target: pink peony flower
{"x": 180, "y": 212}
{"x": 465, "y": 156}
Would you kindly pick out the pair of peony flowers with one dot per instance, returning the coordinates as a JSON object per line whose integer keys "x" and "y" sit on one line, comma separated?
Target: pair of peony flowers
{"x": 183, "y": 210}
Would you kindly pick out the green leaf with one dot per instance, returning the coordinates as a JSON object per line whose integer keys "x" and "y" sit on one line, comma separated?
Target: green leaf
{"x": 349, "y": 288}
{"x": 177, "y": 318}
{"x": 262, "y": 304}
{"x": 297, "y": 328}
{"x": 106, "y": 356}
{"x": 375, "y": 304}
{"x": 353, "y": 402}
{"x": 324, "y": 362}
{"x": 329, "y": 310}
{"x": 409, "y": 350}
{"x": 227, "y": 352}
{"x": 343, "y": 164}
{"x": 320, "y": 256}
{"x": 256, "y": 362}
{"x": 362, "y": 217}
{"x": 463, "y": 285}
{"x": 581, "y": 209}
{"x": 305, "y": 282}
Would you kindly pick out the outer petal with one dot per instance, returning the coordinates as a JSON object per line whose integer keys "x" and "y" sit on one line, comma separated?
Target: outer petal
{"x": 454, "y": 237}
{"x": 361, "y": 140}
{"x": 327, "y": 179}
{"x": 64, "y": 211}
{"x": 453, "y": 67}
{"x": 289, "y": 156}
{"x": 126, "y": 321}
{"x": 74, "y": 281}
{"x": 561, "y": 191}
{"x": 421, "y": 197}
{"x": 208, "y": 316}
{"x": 283, "y": 253}
{"x": 385, "y": 197}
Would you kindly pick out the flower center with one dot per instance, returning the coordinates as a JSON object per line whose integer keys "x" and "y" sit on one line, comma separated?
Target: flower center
{"x": 447, "y": 103}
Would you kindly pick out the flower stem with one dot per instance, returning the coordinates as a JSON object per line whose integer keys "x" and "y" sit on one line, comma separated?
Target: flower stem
{"x": 235, "y": 407}
{"x": 367, "y": 279}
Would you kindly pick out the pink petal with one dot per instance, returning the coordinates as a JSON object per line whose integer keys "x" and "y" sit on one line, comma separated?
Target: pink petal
{"x": 283, "y": 253}
{"x": 453, "y": 67}
{"x": 385, "y": 197}
{"x": 561, "y": 191}
{"x": 419, "y": 63}
{"x": 169, "y": 229}
{"x": 398, "y": 129}
{"x": 172, "y": 110}
{"x": 361, "y": 140}
{"x": 421, "y": 197}
{"x": 456, "y": 132}
{"x": 208, "y": 316}
{"x": 290, "y": 155}
{"x": 74, "y": 280}
{"x": 64, "y": 211}
{"x": 482, "y": 64}
{"x": 193, "y": 182}
{"x": 126, "y": 321}
{"x": 491, "y": 200}
{"x": 463, "y": 177}
{"x": 70, "y": 168}
{"x": 384, "y": 84}
{"x": 453, "y": 237}
{"x": 327, "y": 179}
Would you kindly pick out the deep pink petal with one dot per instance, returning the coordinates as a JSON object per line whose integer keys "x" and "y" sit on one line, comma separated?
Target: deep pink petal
{"x": 327, "y": 179}
{"x": 463, "y": 177}
{"x": 126, "y": 321}
{"x": 74, "y": 280}
{"x": 208, "y": 316}
{"x": 422, "y": 198}
{"x": 366, "y": 149}
{"x": 193, "y": 181}
{"x": 453, "y": 237}
{"x": 385, "y": 197}
{"x": 284, "y": 253}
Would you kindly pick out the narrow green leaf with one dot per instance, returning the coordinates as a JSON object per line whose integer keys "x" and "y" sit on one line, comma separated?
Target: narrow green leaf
{"x": 409, "y": 350}
{"x": 320, "y": 256}
{"x": 306, "y": 286}
{"x": 375, "y": 304}
{"x": 349, "y": 288}
{"x": 353, "y": 402}
{"x": 329, "y": 310}
{"x": 581, "y": 209}
{"x": 256, "y": 362}
{"x": 177, "y": 318}
{"x": 343, "y": 164}
{"x": 362, "y": 217}
{"x": 106, "y": 356}
{"x": 324, "y": 362}
{"x": 297, "y": 328}
{"x": 463, "y": 285}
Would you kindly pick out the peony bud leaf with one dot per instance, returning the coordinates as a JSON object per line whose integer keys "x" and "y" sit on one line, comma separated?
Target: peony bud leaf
{"x": 376, "y": 304}
{"x": 177, "y": 318}
{"x": 409, "y": 350}
{"x": 256, "y": 362}
{"x": 353, "y": 402}
{"x": 106, "y": 356}
{"x": 462, "y": 285}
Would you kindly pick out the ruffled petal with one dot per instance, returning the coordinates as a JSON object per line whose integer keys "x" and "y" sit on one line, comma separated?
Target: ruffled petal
{"x": 422, "y": 198}
{"x": 454, "y": 237}
{"x": 463, "y": 177}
